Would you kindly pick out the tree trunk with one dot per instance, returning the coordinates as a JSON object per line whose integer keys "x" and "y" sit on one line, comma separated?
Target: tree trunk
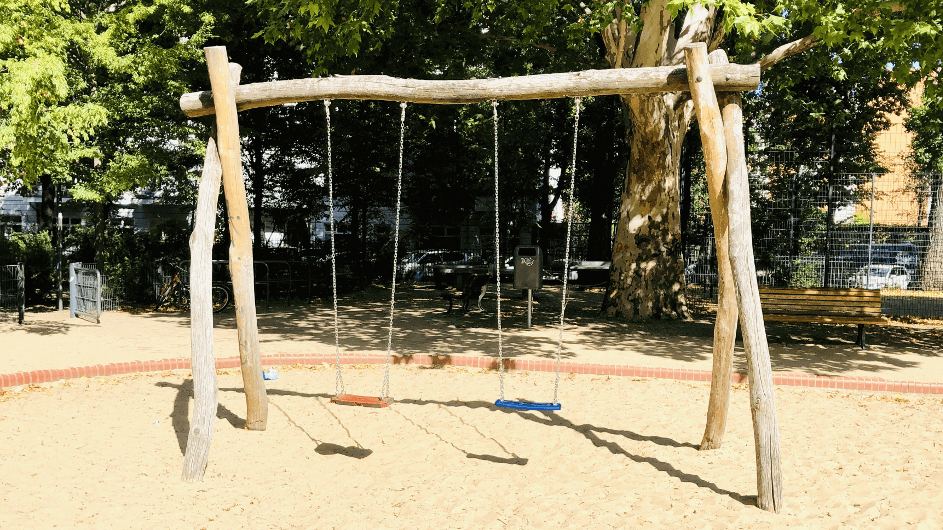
{"x": 599, "y": 246}
{"x": 547, "y": 203}
{"x": 647, "y": 275}
{"x": 931, "y": 269}
{"x": 603, "y": 168}
{"x": 46, "y": 215}
{"x": 686, "y": 178}
{"x": 724, "y": 152}
{"x": 240, "y": 253}
{"x": 258, "y": 183}
{"x": 102, "y": 210}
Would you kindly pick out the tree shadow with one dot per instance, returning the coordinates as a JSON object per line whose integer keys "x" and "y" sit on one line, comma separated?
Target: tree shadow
{"x": 421, "y": 326}
{"x": 45, "y": 328}
{"x": 179, "y": 416}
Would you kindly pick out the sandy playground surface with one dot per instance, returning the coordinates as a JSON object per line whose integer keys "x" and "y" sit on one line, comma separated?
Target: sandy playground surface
{"x": 621, "y": 454}
{"x": 107, "y": 452}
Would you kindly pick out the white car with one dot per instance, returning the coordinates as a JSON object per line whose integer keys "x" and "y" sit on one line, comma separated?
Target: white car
{"x": 881, "y": 277}
{"x": 418, "y": 265}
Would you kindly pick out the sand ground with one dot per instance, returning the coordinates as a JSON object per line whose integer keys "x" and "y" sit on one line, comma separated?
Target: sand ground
{"x": 622, "y": 453}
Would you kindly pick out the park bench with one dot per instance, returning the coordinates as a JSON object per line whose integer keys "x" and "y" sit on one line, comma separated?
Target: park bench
{"x": 825, "y": 305}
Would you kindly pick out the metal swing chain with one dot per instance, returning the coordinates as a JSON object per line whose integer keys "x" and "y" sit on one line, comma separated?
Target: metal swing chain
{"x": 385, "y": 391}
{"x": 339, "y": 381}
{"x": 566, "y": 258}
{"x": 497, "y": 252}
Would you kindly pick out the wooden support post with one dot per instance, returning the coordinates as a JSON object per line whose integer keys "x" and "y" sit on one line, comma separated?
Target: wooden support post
{"x": 240, "y": 250}
{"x": 202, "y": 362}
{"x": 725, "y": 327}
{"x": 759, "y": 371}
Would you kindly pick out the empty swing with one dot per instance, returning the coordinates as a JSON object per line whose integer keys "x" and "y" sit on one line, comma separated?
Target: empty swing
{"x": 521, "y": 404}
{"x": 340, "y": 396}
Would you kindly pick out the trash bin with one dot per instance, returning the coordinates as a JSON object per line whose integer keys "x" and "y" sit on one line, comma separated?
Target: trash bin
{"x": 528, "y": 266}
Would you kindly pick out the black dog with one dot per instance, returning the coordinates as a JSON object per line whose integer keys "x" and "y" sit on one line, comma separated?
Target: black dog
{"x": 474, "y": 284}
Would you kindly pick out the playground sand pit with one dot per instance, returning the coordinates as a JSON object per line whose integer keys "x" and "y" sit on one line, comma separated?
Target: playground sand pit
{"x": 622, "y": 453}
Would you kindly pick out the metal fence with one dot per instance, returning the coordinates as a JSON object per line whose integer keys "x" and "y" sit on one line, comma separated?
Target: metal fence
{"x": 109, "y": 297}
{"x": 13, "y": 291}
{"x": 85, "y": 292}
{"x": 875, "y": 230}
{"x": 279, "y": 279}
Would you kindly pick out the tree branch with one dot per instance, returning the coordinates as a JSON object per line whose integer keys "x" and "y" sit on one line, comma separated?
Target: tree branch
{"x": 697, "y": 28}
{"x": 615, "y": 36}
{"x": 787, "y": 50}
{"x": 656, "y": 27}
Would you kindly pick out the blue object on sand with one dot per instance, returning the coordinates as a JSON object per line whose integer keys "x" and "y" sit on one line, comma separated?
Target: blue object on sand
{"x": 526, "y": 405}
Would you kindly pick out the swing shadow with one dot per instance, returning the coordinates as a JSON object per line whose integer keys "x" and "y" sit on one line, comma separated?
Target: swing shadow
{"x": 512, "y": 460}
{"x": 327, "y": 448}
{"x": 180, "y": 419}
{"x": 552, "y": 419}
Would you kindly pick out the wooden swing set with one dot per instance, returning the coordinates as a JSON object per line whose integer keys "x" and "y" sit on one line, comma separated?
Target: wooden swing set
{"x": 721, "y": 127}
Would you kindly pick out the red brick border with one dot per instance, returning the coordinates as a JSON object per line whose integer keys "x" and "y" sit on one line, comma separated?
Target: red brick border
{"x": 872, "y": 384}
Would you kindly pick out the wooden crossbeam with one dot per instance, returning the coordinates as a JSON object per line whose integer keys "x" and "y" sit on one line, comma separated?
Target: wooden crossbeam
{"x": 728, "y": 78}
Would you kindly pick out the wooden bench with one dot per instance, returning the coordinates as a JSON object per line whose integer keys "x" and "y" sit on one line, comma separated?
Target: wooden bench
{"x": 829, "y": 306}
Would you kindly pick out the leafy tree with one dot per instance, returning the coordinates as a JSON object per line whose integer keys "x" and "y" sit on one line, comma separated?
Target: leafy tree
{"x": 926, "y": 122}
{"x": 446, "y": 41}
{"x": 647, "y": 272}
{"x": 88, "y": 94}
{"x": 35, "y": 252}
{"x": 812, "y": 130}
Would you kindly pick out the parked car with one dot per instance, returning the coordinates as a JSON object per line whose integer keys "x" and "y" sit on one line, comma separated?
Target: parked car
{"x": 880, "y": 277}
{"x": 860, "y": 255}
{"x": 417, "y": 265}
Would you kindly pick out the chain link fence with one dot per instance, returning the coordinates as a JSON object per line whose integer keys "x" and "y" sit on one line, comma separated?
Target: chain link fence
{"x": 813, "y": 227}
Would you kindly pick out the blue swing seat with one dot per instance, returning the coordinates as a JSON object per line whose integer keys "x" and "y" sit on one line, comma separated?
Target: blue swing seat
{"x": 526, "y": 405}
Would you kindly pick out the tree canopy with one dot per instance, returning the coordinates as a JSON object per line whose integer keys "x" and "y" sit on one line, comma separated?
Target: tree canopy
{"x": 88, "y": 91}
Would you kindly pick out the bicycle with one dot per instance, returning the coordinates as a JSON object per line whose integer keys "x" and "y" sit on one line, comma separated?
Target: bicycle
{"x": 176, "y": 289}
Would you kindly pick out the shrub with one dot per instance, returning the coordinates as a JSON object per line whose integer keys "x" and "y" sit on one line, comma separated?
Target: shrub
{"x": 35, "y": 252}
{"x": 127, "y": 258}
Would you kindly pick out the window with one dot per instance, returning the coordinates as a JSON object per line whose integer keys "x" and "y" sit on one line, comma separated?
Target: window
{"x": 10, "y": 224}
